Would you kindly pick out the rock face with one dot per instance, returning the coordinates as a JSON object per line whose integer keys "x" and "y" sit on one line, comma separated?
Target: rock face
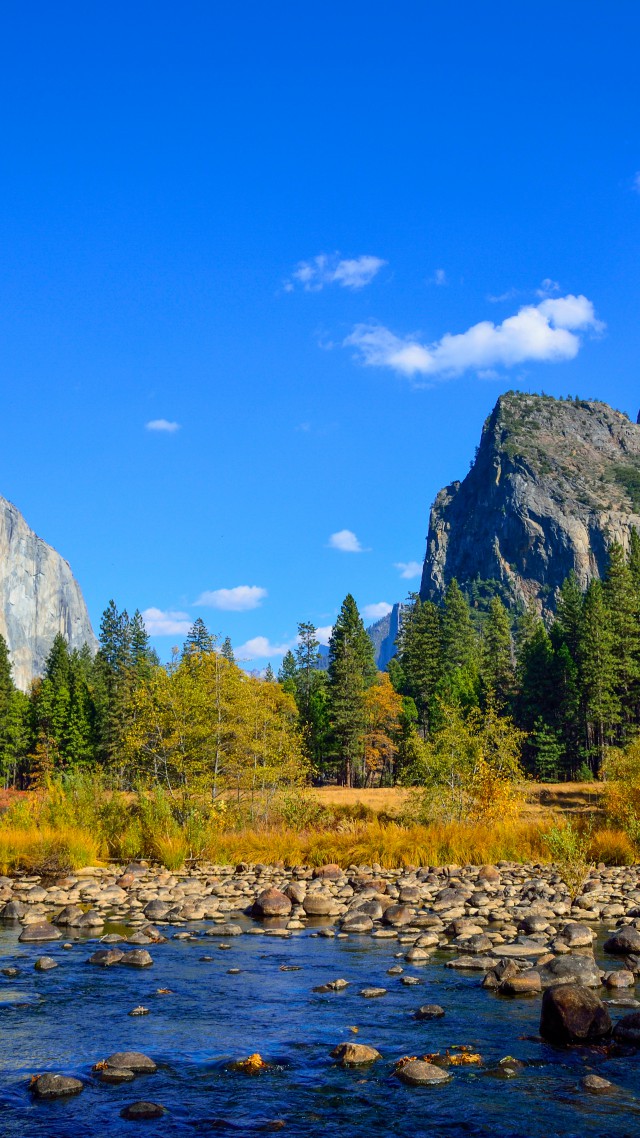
{"x": 553, "y": 484}
{"x": 39, "y": 597}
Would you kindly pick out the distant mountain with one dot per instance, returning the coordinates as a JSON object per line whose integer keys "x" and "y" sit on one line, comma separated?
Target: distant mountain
{"x": 383, "y": 635}
{"x": 553, "y": 484}
{"x": 39, "y": 597}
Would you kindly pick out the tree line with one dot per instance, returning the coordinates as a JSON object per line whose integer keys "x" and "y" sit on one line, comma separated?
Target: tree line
{"x": 500, "y": 682}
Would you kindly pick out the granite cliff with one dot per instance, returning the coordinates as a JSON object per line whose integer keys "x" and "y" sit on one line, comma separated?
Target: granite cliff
{"x": 39, "y": 597}
{"x": 553, "y": 484}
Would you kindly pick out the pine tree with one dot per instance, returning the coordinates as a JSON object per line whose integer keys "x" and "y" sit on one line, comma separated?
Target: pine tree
{"x": 569, "y": 614}
{"x": 497, "y": 654}
{"x": 351, "y": 671}
{"x": 307, "y": 657}
{"x": 547, "y": 751}
{"x": 459, "y": 642}
{"x": 623, "y": 608}
{"x": 198, "y": 639}
{"x": 7, "y": 690}
{"x": 288, "y": 673}
{"x": 269, "y": 674}
{"x": 420, "y": 658}
{"x": 597, "y": 672}
{"x": 227, "y": 650}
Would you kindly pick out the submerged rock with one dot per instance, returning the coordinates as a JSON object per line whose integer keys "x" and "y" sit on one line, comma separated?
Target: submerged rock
{"x": 138, "y": 1111}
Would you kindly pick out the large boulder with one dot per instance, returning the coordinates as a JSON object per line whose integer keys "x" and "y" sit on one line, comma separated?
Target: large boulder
{"x": 272, "y": 903}
{"x": 357, "y": 923}
{"x": 39, "y": 932}
{"x": 571, "y": 969}
{"x": 329, "y": 872}
{"x": 318, "y": 905}
{"x": 573, "y": 1014}
{"x": 623, "y": 942}
{"x": 132, "y": 1061}
{"x": 399, "y": 915}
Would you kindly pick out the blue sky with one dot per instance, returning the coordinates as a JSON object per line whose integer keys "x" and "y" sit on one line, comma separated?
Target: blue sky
{"x": 277, "y": 228}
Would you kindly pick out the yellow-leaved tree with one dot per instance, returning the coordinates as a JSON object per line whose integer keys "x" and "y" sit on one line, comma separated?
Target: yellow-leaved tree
{"x": 383, "y": 709}
{"x": 209, "y": 733}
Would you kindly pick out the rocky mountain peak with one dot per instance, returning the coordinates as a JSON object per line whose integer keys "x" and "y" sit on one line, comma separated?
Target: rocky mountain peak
{"x": 553, "y": 484}
{"x": 39, "y": 597}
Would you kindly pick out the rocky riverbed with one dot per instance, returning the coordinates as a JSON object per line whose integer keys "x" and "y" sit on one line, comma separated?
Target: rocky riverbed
{"x": 355, "y": 988}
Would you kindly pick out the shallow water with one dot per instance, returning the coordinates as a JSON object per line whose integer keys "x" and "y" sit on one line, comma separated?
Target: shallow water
{"x": 67, "y": 1019}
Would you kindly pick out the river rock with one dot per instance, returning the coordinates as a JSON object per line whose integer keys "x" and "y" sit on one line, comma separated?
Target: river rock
{"x": 573, "y": 1014}
{"x": 132, "y": 1061}
{"x": 525, "y": 984}
{"x": 45, "y": 963}
{"x": 419, "y": 1073}
{"x": 106, "y": 957}
{"x": 13, "y": 911}
{"x": 399, "y": 915}
{"x": 141, "y": 1111}
{"x": 357, "y": 923}
{"x": 137, "y": 958}
{"x": 372, "y": 993}
{"x": 627, "y": 1029}
{"x": 329, "y": 872}
{"x": 430, "y": 1011}
{"x": 595, "y": 1084}
{"x": 571, "y": 969}
{"x": 624, "y": 941}
{"x": 318, "y": 904}
{"x": 43, "y": 930}
{"x": 55, "y": 1086}
{"x": 355, "y": 1054}
{"x": 272, "y": 903}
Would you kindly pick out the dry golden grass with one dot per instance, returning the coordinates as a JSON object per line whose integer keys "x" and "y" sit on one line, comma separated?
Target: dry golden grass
{"x": 387, "y": 800}
{"x": 541, "y": 799}
{"x": 36, "y": 846}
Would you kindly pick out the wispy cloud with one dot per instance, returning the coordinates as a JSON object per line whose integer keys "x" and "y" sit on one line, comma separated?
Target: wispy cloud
{"x": 160, "y": 623}
{"x": 408, "y": 569}
{"x": 439, "y": 277}
{"x": 260, "y": 648}
{"x": 353, "y": 272}
{"x": 323, "y": 634}
{"x": 544, "y": 332}
{"x": 346, "y": 541}
{"x": 241, "y": 598}
{"x": 377, "y": 610}
{"x": 165, "y": 425}
{"x": 547, "y": 288}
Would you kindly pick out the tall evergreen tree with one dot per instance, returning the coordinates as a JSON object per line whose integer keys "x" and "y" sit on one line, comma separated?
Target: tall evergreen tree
{"x": 351, "y": 671}
{"x": 597, "y": 673}
{"x": 623, "y": 609}
{"x": 199, "y": 639}
{"x": 227, "y": 650}
{"x": 459, "y": 641}
{"x": 420, "y": 658}
{"x": 497, "y": 654}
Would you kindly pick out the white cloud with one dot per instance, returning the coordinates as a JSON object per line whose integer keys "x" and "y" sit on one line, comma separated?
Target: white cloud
{"x": 354, "y": 273}
{"x": 260, "y": 648}
{"x": 323, "y": 635}
{"x": 376, "y": 611}
{"x": 544, "y": 332}
{"x": 346, "y": 541}
{"x": 439, "y": 278}
{"x": 241, "y": 598}
{"x": 408, "y": 569}
{"x": 160, "y": 623}
{"x": 162, "y": 425}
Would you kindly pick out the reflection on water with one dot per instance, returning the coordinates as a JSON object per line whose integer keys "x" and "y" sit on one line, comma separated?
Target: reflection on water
{"x": 72, "y": 1016}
